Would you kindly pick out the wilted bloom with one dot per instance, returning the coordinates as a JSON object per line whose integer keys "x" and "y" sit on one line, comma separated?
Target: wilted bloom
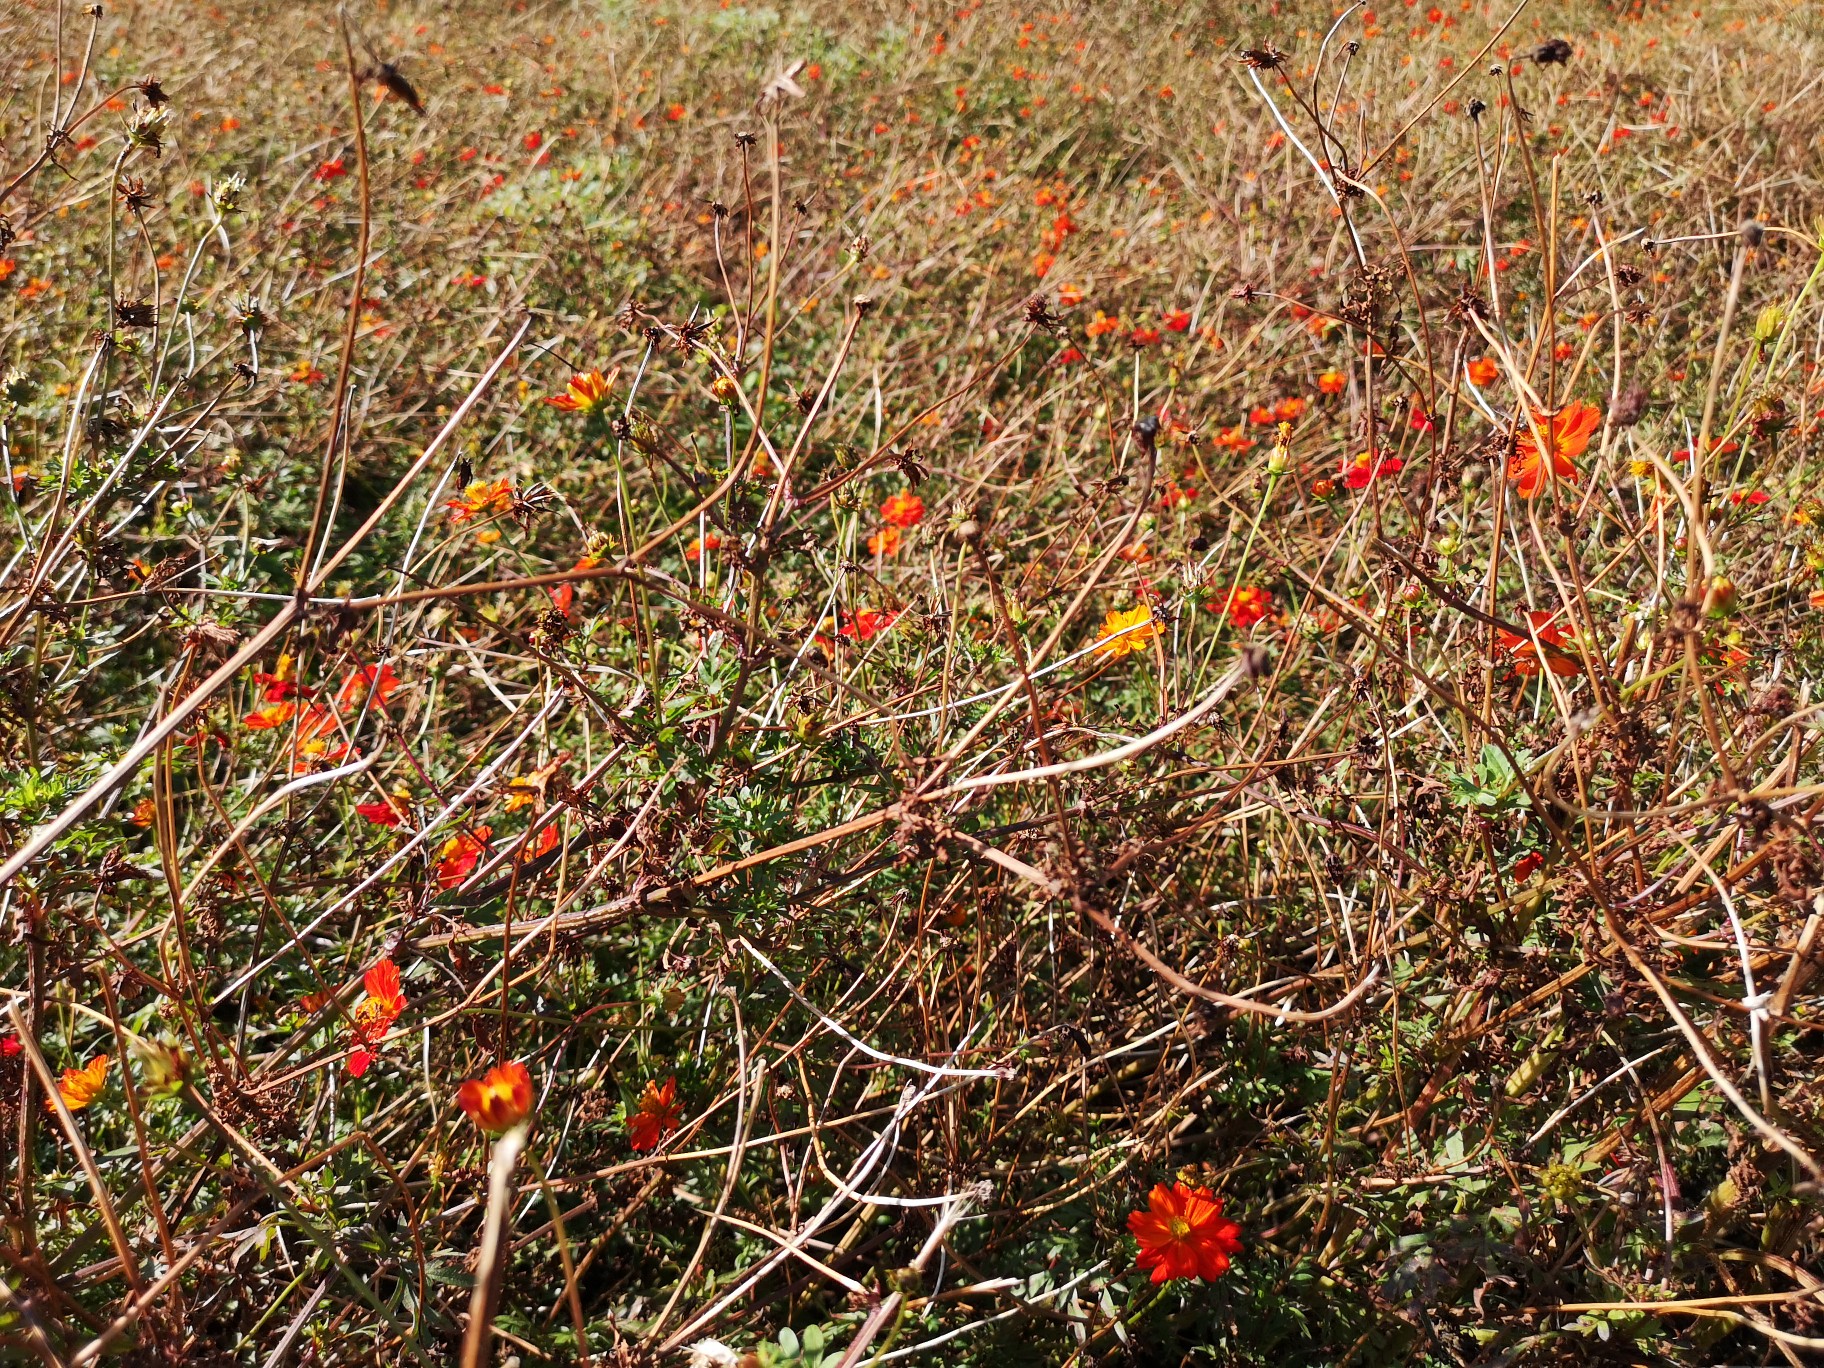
{"x": 499, "y": 1100}
{"x": 1123, "y": 633}
{"x": 1245, "y": 607}
{"x": 884, "y": 542}
{"x": 1182, "y": 1234}
{"x": 903, "y": 509}
{"x": 79, "y": 1087}
{"x": 375, "y": 1014}
{"x": 1364, "y": 468}
{"x": 460, "y": 854}
{"x": 655, "y": 1116}
{"x": 586, "y": 393}
{"x": 1527, "y": 656}
{"x": 1566, "y": 432}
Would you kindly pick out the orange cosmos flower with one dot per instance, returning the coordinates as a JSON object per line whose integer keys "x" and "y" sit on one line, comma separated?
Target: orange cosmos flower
{"x": 379, "y": 681}
{"x": 864, "y": 626}
{"x": 481, "y": 499}
{"x": 1483, "y": 370}
{"x": 460, "y": 854}
{"x": 702, "y": 546}
{"x": 1116, "y": 639}
{"x": 499, "y": 1100}
{"x": 656, "y": 1115}
{"x": 1332, "y": 382}
{"x": 1527, "y": 656}
{"x": 271, "y": 716}
{"x": 564, "y": 595}
{"x": 1567, "y": 433}
{"x": 903, "y": 509}
{"x": 279, "y": 685}
{"x": 884, "y": 542}
{"x": 79, "y": 1087}
{"x": 375, "y": 1014}
{"x": 585, "y": 394}
{"x": 1182, "y": 1234}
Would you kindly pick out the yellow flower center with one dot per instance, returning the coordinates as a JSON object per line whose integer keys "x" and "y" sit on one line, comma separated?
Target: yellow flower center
{"x": 1179, "y": 1227}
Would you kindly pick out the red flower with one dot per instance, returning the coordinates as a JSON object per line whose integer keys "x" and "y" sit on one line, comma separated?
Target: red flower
{"x": 1332, "y": 382}
{"x": 1261, "y": 416}
{"x": 1178, "y": 320}
{"x": 499, "y": 1100}
{"x": 564, "y": 595}
{"x": 1143, "y": 337}
{"x": 388, "y": 812}
{"x": 1364, "y": 468}
{"x": 330, "y": 170}
{"x": 1483, "y": 371}
{"x": 1245, "y": 607}
{"x": 542, "y": 844}
{"x": 10, "y": 1047}
{"x": 1526, "y": 655}
{"x": 460, "y": 854}
{"x": 903, "y": 509}
{"x": 1290, "y": 410}
{"x": 1567, "y": 433}
{"x": 1529, "y": 865}
{"x": 1421, "y": 420}
{"x": 375, "y": 1014}
{"x": 656, "y": 1115}
{"x": 865, "y": 625}
{"x": 1182, "y": 1234}
{"x": 1754, "y": 498}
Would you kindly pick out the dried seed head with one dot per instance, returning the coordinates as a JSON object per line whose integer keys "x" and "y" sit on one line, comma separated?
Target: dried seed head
{"x": 1476, "y": 109}
{"x": 1552, "y": 52}
{"x": 745, "y": 140}
{"x": 227, "y": 194}
{"x": 1146, "y": 432}
{"x": 1753, "y": 232}
{"x": 133, "y": 193}
{"x": 146, "y": 129}
{"x": 1630, "y": 408}
{"x": 860, "y": 245}
{"x": 153, "y": 92}
{"x": 863, "y": 304}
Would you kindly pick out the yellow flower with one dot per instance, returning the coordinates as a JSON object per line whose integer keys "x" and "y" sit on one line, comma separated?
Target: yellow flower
{"x": 1115, "y": 640}
{"x": 79, "y": 1087}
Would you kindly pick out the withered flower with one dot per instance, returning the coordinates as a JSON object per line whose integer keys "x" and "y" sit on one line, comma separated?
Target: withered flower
{"x": 136, "y": 313}
{"x": 1263, "y": 58}
{"x": 133, "y": 193}
{"x": 389, "y": 76}
{"x": 153, "y": 92}
{"x": 530, "y": 501}
{"x": 745, "y": 140}
{"x": 1552, "y": 52}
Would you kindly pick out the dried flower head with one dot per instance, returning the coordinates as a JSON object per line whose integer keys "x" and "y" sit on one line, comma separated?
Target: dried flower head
{"x": 1553, "y": 52}
{"x": 1263, "y": 58}
{"x": 146, "y": 129}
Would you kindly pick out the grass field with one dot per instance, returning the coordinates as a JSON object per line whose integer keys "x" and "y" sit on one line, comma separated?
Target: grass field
{"x": 760, "y": 684}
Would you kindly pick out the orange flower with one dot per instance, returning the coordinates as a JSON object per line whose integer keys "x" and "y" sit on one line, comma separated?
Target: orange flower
{"x": 884, "y": 542}
{"x": 1290, "y": 410}
{"x": 270, "y": 716}
{"x": 702, "y": 546}
{"x": 1245, "y": 607}
{"x": 279, "y": 685}
{"x": 377, "y": 680}
{"x": 500, "y": 1099}
{"x": 1567, "y": 433}
{"x": 1137, "y": 554}
{"x": 866, "y": 625}
{"x": 460, "y": 854}
{"x": 1182, "y": 1234}
{"x": 375, "y": 1014}
{"x": 542, "y": 844}
{"x": 1527, "y": 656}
{"x": 904, "y": 509}
{"x": 145, "y": 813}
{"x": 481, "y": 499}
{"x": 1483, "y": 370}
{"x": 1332, "y": 382}
{"x": 656, "y": 1116}
{"x": 1124, "y": 633}
{"x": 585, "y": 394}
{"x": 1102, "y": 323}
{"x": 79, "y": 1087}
